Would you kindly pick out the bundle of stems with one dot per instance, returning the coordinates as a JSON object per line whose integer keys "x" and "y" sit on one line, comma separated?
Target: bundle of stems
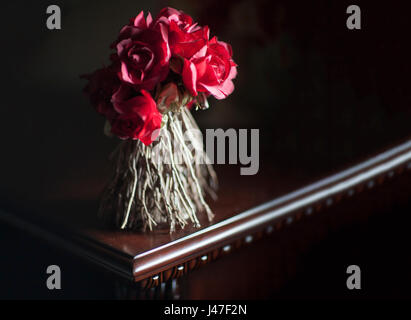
{"x": 164, "y": 183}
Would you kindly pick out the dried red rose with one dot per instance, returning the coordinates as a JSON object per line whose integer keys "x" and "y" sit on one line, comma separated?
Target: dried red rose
{"x": 185, "y": 37}
{"x": 138, "y": 117}
{"x": 143, "y": 52}
{"x": 183, "y": 20}
{"x": 212, "y": 72}
{"x": 102, "y": 85}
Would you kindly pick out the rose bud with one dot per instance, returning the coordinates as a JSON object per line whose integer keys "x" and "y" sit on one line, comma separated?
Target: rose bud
{"x": 168, "y": 98}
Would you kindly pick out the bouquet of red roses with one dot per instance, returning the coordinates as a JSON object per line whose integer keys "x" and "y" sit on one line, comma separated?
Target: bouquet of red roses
{"x": 159, "y": 70}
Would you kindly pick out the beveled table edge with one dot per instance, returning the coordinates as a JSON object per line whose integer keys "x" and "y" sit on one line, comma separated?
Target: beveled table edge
{"x": 180, "y": 256}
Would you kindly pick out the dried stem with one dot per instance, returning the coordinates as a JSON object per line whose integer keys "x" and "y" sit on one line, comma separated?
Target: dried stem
{"x": 165, "y": 182}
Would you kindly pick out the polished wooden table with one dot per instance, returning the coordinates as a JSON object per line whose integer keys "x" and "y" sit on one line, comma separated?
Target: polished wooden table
{"x": 262, "y": 224}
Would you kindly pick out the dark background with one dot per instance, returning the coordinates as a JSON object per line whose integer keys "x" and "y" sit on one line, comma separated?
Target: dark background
{"x": 322, "y": 96}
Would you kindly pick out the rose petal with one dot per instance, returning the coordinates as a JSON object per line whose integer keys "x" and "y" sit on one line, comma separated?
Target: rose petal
{"x": 190, "y": 77}
{"x": 221, "y": 91}
{"x": 140, "y": 21}
{"x": 149, "y": 20}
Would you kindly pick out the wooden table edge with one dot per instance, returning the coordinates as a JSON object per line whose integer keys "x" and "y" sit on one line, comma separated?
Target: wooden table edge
{"x": 176, "y": 258}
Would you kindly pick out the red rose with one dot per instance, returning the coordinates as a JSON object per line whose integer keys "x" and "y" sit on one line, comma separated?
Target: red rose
{"x": 184, "y": 21}
{"x": 185, "y": 37}
{"x": 212, "y": 72}
{"x": 102, "y": 85}
{"x": 143, "y": 52}
{"x": 138, "y": 117}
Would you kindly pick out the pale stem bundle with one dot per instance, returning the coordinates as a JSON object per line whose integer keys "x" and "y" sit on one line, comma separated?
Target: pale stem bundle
{"x": 163, "y": 183}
